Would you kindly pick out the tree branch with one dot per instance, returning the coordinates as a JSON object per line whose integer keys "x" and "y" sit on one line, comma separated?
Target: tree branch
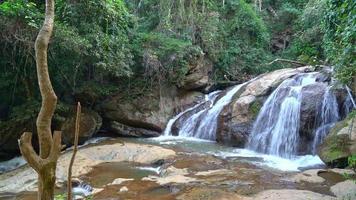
{"x": 28, "y": 152}
{"x": 288, "y": 61}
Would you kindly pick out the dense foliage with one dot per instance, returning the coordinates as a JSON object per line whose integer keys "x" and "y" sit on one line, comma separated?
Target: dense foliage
{"x": 100, "y": 47}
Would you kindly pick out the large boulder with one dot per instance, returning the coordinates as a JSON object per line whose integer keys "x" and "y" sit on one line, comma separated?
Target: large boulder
{"x": 312, "y": 96}
{"x": 339, "y": 144}
{"x": 150, "y": 111}
{"x": 128, "y": 131}
{"x": 236, "y": 119}
{"x": 90, "y": 123}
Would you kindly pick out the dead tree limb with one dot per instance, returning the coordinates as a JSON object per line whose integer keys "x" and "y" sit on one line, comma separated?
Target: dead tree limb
{"x": 288, "y": 61}
{"x": 75, "y": 149}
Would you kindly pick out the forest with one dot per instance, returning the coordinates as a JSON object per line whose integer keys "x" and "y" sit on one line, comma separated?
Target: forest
{"x": 271, "y": 82}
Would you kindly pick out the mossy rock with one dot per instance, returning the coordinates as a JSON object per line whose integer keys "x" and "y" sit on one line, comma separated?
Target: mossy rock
{"x": 335, "y": 150}
{"x": 255, "y": 108}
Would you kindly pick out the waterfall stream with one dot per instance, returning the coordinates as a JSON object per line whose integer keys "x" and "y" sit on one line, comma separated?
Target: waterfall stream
{"x": 203, "y": 124}
{"x": 329, "y": 114}
{"x": 276, "y": 130}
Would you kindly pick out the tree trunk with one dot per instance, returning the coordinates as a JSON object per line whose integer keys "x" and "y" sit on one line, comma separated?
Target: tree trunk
{"x": 50, "y": 147}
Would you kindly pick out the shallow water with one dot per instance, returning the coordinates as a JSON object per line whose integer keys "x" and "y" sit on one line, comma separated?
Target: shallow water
{"x": 263, "y": 160}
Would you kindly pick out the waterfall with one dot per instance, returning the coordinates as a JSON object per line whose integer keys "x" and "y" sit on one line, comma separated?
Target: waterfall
{"x": 208, "y": 125}
{"x": 350, "y": 96}
{"x": 203, "y": 123}
{"x": 276, "y": 130}
{"x": 329, "y": 114}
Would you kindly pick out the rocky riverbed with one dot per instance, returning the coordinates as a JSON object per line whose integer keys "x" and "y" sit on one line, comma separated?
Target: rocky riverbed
{"x": 175, "y": 169}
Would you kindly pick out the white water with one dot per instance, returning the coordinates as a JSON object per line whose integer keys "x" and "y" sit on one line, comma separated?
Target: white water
{"x": 156, "y": 170}
{"x": 270, "y": 161}
{"x": 329, "y": 114}
{"x": 295, "y": 164}
{"x": 203, "y": 124}
{"x": 208, "y": 99}
{"x": 276, "y": 130}
{"x": 208, "y": 125}
{"x": 350, "y": 96}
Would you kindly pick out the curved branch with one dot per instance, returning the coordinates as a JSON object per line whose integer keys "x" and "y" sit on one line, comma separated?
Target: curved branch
{"x": 28, "y": 152}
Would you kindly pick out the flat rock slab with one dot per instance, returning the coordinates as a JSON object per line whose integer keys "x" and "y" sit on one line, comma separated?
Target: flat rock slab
{"x": 344, "y": 190}
{"x": 289, "y": 195}
{"x": 25, "y": 179}
{"x": 310, "y": 176}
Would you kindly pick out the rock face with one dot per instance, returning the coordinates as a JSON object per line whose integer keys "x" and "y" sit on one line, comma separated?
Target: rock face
{"x": 339, "y": 144}
{"x": 236, "y": 120}
{"x": 127, "y": 131}
{"x": 150, "y": 112}
{"x": 90, "y": 123}
{"x": 197, "y": 76}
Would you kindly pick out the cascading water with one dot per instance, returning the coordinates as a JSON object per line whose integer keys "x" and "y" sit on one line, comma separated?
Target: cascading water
{"x": 203, "y": 124}
{"x": 329, "y": 114}
{"x": 276, "y": 130}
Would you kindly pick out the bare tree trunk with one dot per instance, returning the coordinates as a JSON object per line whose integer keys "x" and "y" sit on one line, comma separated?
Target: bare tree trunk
{"x": 50, "y": 147}
{"x": 76, "y": 136}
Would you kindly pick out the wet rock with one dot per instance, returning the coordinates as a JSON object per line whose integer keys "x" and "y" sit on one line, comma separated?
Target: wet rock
{"x": 118, "y": 181}
{"x": 180, "y": 179}
{"x": 127, "y": 131}
{"x": 171, "y": 175}
{"x": 339, "y": 144}
{"x": 344, "y": 190}
{"x": 236, "y": 120}
{"x": 90, "y": 123}
{"x": 312, "y": 96}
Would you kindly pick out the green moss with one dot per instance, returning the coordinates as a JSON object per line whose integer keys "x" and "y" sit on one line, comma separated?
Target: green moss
{"x": 335, "y": 146}
{"x": 255, "y": 108}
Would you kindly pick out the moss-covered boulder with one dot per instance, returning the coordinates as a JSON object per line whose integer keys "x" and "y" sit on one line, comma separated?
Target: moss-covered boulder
{"x": 339, "y": 144}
